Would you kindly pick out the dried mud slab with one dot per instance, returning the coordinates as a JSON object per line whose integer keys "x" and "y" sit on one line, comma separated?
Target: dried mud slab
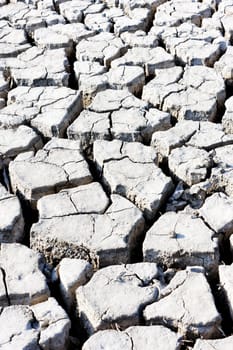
{"x": 84, "y": 223}
{"x": 137, "y": 337}
{"x": 22, "y": 280}
{"x": 16, "y": 141}
{"x": 60, "y": 164}
{"x": 43, "y": 326}
{"x": 148, "y": 58}
{"x": 11, "y": 218}
{"x": 72, "y": 273}
{"x": 37, "y": 67}
{"x": 217, "y": 344}
{"x": 132, "y": 287}
{"x": 180, "y": 240}
{"x": 192, "y": 45}
{"x": 226, "y": 281}
{"x": 48, "y": 109}
{"x": 227, "y": 120}
{"x": 119, "y": 115}
{"x": 173, "y": 13}
{"x": 54, "y": 325}
{"x": 215, "y": 204}
{"x": 189, "y": 164}
{"x": 195, "y": 93}
{"x": 130, "y": 170}
{"x": 191, "y": 311}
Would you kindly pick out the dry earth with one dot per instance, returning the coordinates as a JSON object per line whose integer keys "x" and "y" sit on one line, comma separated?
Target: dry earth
{"x": 116, "y": 174}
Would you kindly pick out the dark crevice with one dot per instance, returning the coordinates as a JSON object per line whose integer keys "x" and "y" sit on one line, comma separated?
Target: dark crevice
{"x": 30, "y": 215}
{"x": 222, "y": 307}
{"x": 225, "y": 250}
{"x": 73, "y": 83}
{"x": 5, "y": 285}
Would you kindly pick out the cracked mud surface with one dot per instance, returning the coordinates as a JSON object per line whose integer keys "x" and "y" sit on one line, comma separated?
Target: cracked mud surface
{"x": 116, "y": 180}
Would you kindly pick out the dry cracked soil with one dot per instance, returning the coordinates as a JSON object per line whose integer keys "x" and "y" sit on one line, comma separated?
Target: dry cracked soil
{"x": 116, "y": 174}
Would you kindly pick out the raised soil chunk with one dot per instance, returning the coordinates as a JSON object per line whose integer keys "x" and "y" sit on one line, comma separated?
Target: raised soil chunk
{"x": 127, "y": 77}
{"x": 173, "y": 13}
{"x": 132, "y": 287}
{"x": 72, "y": 273}
{"x": 48, "y": 109}
{"x": 76, "y": 32}
{"x": 194, "y": 93}
{"x": 12, "y": 41}
{"x": 11, "y": 218}
{"x": 227, "y": 120}
{"x": 130, "y": 170}
{"x": 180, "y": 240}
{"x": 148, "y": 58}
{"x": 85, "y": 199}
{"x": 73, "y": 11}
{"x": 167, "y": 140}
{"x": 226, "y": 281}
{"x": 215, "y": 204}
{"x": 119, "y": 115}
{"x": 103, "y": 48}
{"x": 216, "y": 344}
{"x": 17, "y": 328}
{"x": 225, "y": 66}
{"x": 60, "y": 165}
{"x": 210, "y": 136}
{"x": 190, "y": 44}
{"x": 142, "y": 337}
{"x": 54, "y": 325}
{"x": 139, "y": 39}
{"x": 37, "y": 67}
{"x": 24, "y": 16}
{"x": 111, "y": 100}
{"x": 99, "y": 234}
{"x": 189, "y": 164}
{"x": 191, "y": 311}
{"x": 16, "y": 141}
{"x": 22, "y": 281}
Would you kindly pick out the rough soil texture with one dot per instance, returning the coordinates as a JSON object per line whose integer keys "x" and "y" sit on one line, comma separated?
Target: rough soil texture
{"x": 116, "y": 174}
